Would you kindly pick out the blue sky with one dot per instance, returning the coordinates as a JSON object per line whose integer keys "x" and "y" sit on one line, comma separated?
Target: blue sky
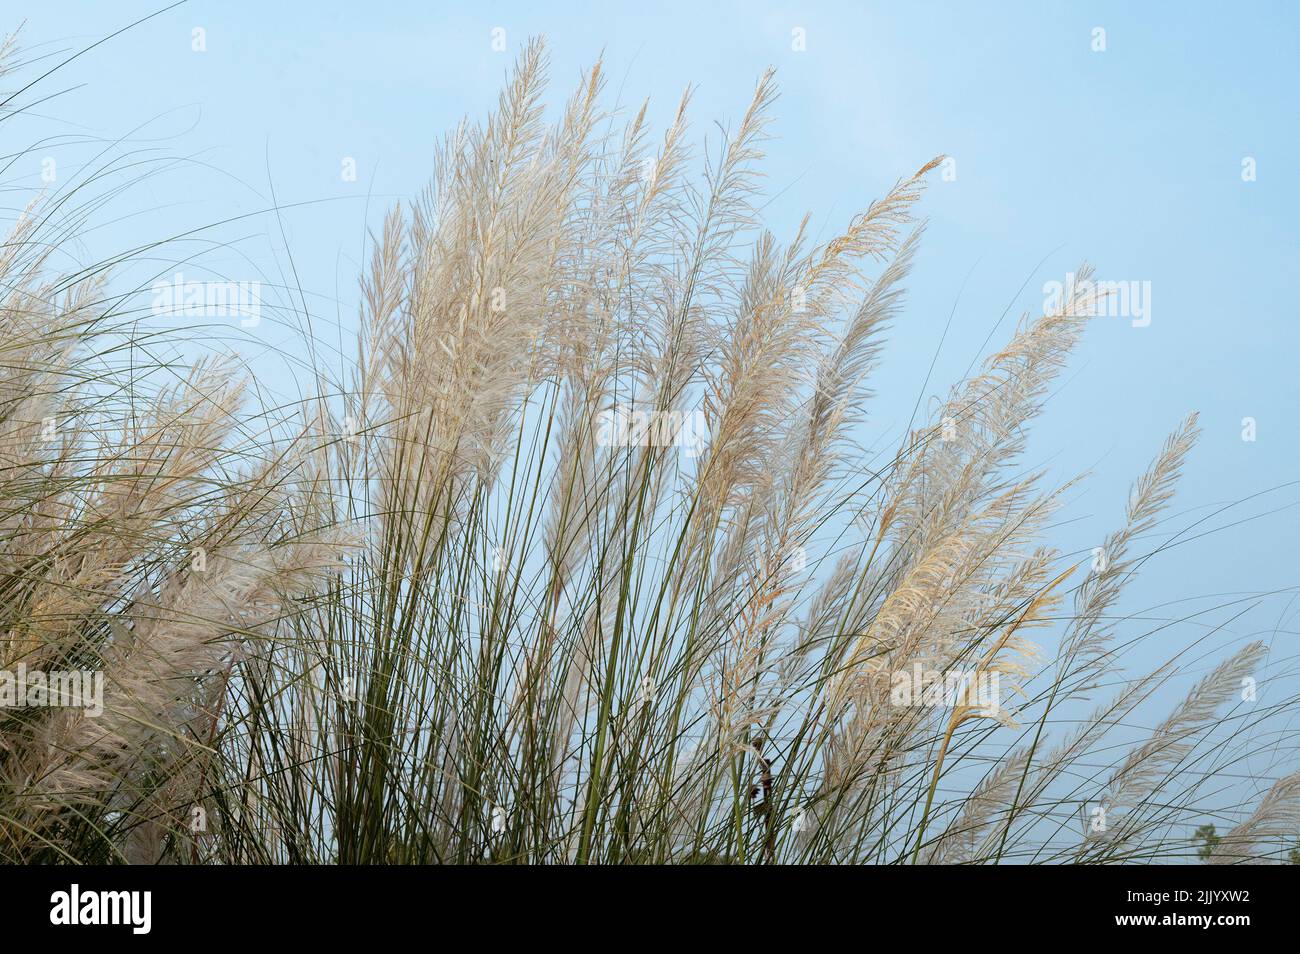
{"x": 1130, "y": 158}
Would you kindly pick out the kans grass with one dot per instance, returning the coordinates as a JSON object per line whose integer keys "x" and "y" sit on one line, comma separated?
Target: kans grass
{"x": 579, "y": 561}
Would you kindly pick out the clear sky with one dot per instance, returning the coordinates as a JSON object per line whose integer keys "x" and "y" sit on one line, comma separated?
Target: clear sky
{"x": 1129, "y": 157}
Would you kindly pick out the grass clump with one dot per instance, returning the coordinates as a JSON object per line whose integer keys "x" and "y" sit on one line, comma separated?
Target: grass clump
{"x": 579, "y": 561}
